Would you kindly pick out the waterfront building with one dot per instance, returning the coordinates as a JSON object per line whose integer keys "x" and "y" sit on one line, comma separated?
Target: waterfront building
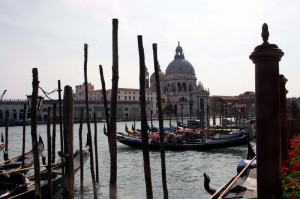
{"x": 242, "y": 106}
{"x": 182, "y": 94}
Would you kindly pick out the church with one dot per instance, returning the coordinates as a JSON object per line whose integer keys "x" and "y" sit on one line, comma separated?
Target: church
{"x": 182, "y": 94}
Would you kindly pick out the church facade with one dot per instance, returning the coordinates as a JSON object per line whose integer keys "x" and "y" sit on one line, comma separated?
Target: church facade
{"x": 182, "y": 94}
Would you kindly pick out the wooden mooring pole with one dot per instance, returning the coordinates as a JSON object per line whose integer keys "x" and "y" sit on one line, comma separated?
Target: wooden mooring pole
{"x": 49, "y": 167}
{"x": 266, "y": 58}
{"x": 53, "y": 133}
{"x": 106, "y": 110}
{"x": 96, "y": 147}
{"x": 68, "y": 109}
{"x": 24, "y": 135}
{"x": 37, "y": 178}
{"x": 161, "y": 126}
{"x": 113, "y": 113}
{"x": 61, "y": 129}
{"x": 5, "y": 152}
{"x": 80, "y": 150}
{"x": 90, "y": 140}
{"x": 144, "y": 124}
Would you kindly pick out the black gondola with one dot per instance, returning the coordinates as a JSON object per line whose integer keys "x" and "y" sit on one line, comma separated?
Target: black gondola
{"x": 200, "y": 145}
{"x": 242, "y": 185}
{"x": 18, "y": 186}
{"x": 16, "y": 163}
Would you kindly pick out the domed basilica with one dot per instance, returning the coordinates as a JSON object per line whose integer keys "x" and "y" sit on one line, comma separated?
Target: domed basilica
{"x": 181, "y": 94}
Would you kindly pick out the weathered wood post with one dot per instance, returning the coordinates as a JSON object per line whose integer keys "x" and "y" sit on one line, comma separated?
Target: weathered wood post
{"x": 161, "y": 125}
{"x": 24, "y": 135}
{"x": 266, "y": 58}
{"x": 144, "y": 124}
{"x": 96, "y": 147}
{"x": 37, "y": 178}
{"x": 61, "y": 128}
{"x": 113, "y": 112}
{"x": 49, "y": 166}
{"x": 80, "y": 150}
{"x": 68, "y": 109}
{"x": 283, "y": 118}
{"x": 5, "y": 154}
{"x": 90, "y": 140}
{"x": 53, "y": 133}
{"x": 105, "y": 101}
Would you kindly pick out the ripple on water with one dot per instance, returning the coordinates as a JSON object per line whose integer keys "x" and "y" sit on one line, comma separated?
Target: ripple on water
{"x": 184, "y": 169}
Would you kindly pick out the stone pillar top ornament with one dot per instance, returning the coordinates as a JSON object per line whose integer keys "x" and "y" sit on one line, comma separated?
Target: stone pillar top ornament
{"x": 265, "y": 33}
{"x": 266, "y": 51}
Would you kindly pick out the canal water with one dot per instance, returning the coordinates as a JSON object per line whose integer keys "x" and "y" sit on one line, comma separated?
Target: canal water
{"x": 184, "y": 169}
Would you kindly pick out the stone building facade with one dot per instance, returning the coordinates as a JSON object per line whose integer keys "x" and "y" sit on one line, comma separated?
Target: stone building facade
{"x": 182, "y": 95}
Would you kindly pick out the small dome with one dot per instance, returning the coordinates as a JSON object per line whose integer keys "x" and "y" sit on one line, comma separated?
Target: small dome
{"x": 179, "y": 65}
{"x": 152, "y": 77}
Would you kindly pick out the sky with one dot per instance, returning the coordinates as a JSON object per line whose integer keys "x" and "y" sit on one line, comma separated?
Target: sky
{"x": 217, "y": 38}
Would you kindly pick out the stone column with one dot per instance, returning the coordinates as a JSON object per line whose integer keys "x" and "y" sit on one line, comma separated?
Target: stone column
{"x": 294, "y": 128}
{"x": 266, "y": 58}
{"x": 283, "y": 118}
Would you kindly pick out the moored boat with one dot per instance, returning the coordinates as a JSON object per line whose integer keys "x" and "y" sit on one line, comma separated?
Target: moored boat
{"x": 242, "y": 185}
{"x": 185, "y": 144}
{"x": 16, "y": 163}
{"x": 17, "y": 185}
{"x": 15, "y": 123}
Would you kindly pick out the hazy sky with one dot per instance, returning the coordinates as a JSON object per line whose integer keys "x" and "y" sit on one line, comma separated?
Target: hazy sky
{"x": 217, "y": 38}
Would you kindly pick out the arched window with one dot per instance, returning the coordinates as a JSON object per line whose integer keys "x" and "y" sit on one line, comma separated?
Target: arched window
{"x": 184, "y": 86}
{"x": 179, "y": 87}
{"x": 182, "y": 99}
{"x": 21, "y": 114}
{"x": 191, "y": 87}
{"x": 173, "y": 88}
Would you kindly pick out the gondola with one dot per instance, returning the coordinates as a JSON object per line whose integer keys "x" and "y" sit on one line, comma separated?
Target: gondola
{"x": 18, "y": 186}
{"x": 200, "y": 144}
{"x": 16, "y": 163}
{"x": 242, "y": 185}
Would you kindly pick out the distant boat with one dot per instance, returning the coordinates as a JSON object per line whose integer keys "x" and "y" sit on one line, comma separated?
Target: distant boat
{"x": 198, "y": 144}
{"x": 15, "y": 123}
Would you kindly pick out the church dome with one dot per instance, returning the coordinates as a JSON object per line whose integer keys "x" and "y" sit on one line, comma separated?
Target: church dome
{"x": 152, "y": 77}
{"x": 180, "y": 65}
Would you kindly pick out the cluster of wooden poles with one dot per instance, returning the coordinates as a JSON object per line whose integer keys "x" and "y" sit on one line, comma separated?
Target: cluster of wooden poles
{"x": 67, "y": 130}
{"x": 66, "y": 134}
{"x": 111, "y": 119}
